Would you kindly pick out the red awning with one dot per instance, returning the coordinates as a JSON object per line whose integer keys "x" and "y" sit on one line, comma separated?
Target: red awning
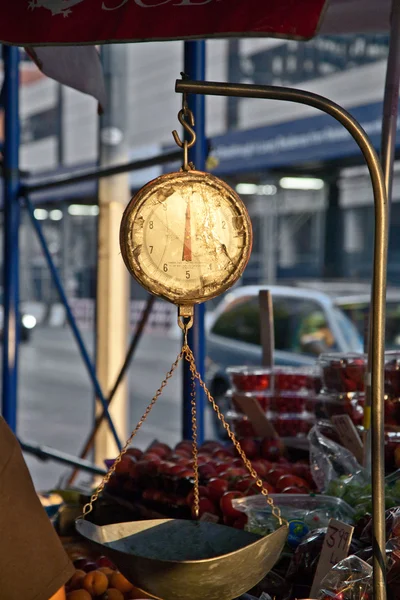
{"x": 68, "y": 24}
{"x": 36, "y": 22}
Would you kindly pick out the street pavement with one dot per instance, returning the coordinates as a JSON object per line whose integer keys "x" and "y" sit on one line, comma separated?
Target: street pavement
{"x": 56, "y": 399}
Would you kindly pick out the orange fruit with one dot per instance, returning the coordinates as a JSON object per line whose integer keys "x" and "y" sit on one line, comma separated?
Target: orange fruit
{"x": 79, "y": 595}
{"x": 75, "y": 583}
{"x": 107, "y": 571}
{"x": 112, "y": 594}
{"x": 95, "y": 583}
{"x": 118, "y": 581}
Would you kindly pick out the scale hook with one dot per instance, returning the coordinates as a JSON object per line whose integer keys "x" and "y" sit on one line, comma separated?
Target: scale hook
{"x": 185, "y": 113}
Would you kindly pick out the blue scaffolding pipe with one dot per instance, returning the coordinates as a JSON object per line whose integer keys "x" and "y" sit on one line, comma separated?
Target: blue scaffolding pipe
{"x": 11, "y": 231}
{"x": 71, "y": 319}
{"x": 195, "y": 68}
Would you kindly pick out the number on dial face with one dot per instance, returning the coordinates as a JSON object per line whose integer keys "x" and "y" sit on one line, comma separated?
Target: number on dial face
{"x": 187, "y": 239}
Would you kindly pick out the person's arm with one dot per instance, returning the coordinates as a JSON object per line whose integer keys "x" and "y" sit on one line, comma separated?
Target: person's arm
{"x": 60, "y": 595}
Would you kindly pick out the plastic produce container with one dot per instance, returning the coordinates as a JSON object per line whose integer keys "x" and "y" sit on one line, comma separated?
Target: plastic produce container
{"x": 251, "y": 379}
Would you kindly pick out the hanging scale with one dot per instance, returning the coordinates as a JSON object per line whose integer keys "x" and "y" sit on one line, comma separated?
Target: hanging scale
{"x": 186, "y": 237}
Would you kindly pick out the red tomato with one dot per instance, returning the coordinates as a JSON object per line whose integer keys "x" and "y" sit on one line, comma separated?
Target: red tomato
{"x": 261, "y": 466}
{"x": 275, "y": 474}
{"x": 135, "y": 452}
{"x": 223, "y": 454}
{"x": 216, "y": 488}
{"x": 291, "y": 481}
{"x": 206, "y": 506}
{"x": 241, "y": 522}
{"x": 271, "y": 449}
{"x": 236, "y": 472}
{"x": 294, "y": 490}
{"x": 249, "y": 447}
{"x": 226, "y": 504}
{"x": 153, "y": 456}
{"x": 125, "y": 466}
{"x": 185, "y": 445}
{"x": 210, "y": 446}
{"x": 221, "y": 467}
{"x": 207, "y": 471}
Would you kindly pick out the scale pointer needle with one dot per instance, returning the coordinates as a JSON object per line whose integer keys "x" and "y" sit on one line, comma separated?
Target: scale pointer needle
{"x": 187, "y": 244}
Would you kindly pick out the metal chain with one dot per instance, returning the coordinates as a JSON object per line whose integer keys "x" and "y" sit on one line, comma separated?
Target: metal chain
{"x": 196, "y": 503}
{"x": 89, "y": 506}
{"x": 187, "y": 353}
{"x": 275, "y": 510}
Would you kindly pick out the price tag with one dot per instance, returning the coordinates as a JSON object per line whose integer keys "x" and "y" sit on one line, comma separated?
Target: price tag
{"x": 335, "y": 548}
{"x": 348, "y": 436}
{"x": 253, "y": 411}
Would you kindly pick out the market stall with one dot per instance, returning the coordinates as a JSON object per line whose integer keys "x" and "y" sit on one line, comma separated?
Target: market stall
{"x": 160, "y": 495}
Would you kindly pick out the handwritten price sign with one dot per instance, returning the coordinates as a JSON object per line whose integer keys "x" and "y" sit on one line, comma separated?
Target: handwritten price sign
{"x": 335, "y": 548}
{"x": 348, "y": 435}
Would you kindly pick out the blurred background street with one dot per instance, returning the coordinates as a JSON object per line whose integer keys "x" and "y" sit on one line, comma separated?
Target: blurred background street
{"x": 56, "y": 400}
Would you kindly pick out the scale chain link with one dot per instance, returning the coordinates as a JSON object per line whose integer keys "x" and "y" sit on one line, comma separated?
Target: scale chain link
{"x": 89, "y": 506}
{"x": 275, "y": 510}
{"x": 196, "y": 506}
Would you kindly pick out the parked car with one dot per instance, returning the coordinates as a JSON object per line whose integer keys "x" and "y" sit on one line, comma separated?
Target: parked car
{"x": 306, "y": 323}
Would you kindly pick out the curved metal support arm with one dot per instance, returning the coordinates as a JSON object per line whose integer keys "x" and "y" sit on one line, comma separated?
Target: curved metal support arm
{"x": 378, "y": 284}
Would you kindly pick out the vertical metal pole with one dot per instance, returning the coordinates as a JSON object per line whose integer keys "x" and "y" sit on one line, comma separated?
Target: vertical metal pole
{"x": 112, "y": 277}
{"x": 234, "y": 74}
{"x": 60, "y": 113}
{"x": 195, "y": 68}
{"x": 11, "y": 231}
{"x": 388, "y": 148}
{"x": 375, "y": 439}
{"x": 334, "y": 230}
{"x": 391, "y": 100}
{"x": 379, "y": 285}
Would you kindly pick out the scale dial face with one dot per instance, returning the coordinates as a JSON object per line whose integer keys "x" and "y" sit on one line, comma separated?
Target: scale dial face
{"x": 186, "y": 237}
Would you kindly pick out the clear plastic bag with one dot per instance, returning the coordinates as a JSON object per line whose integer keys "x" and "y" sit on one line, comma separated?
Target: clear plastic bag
{"x": 303, "y": 512}
{"x": 393, "y": 568}
{"x": 351, "y": 579}
{"x": 392, "y": 522}
{"x": 304, "y": 562}
{"x": 333, "y": 467}
{"x": 272, "y": 586}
